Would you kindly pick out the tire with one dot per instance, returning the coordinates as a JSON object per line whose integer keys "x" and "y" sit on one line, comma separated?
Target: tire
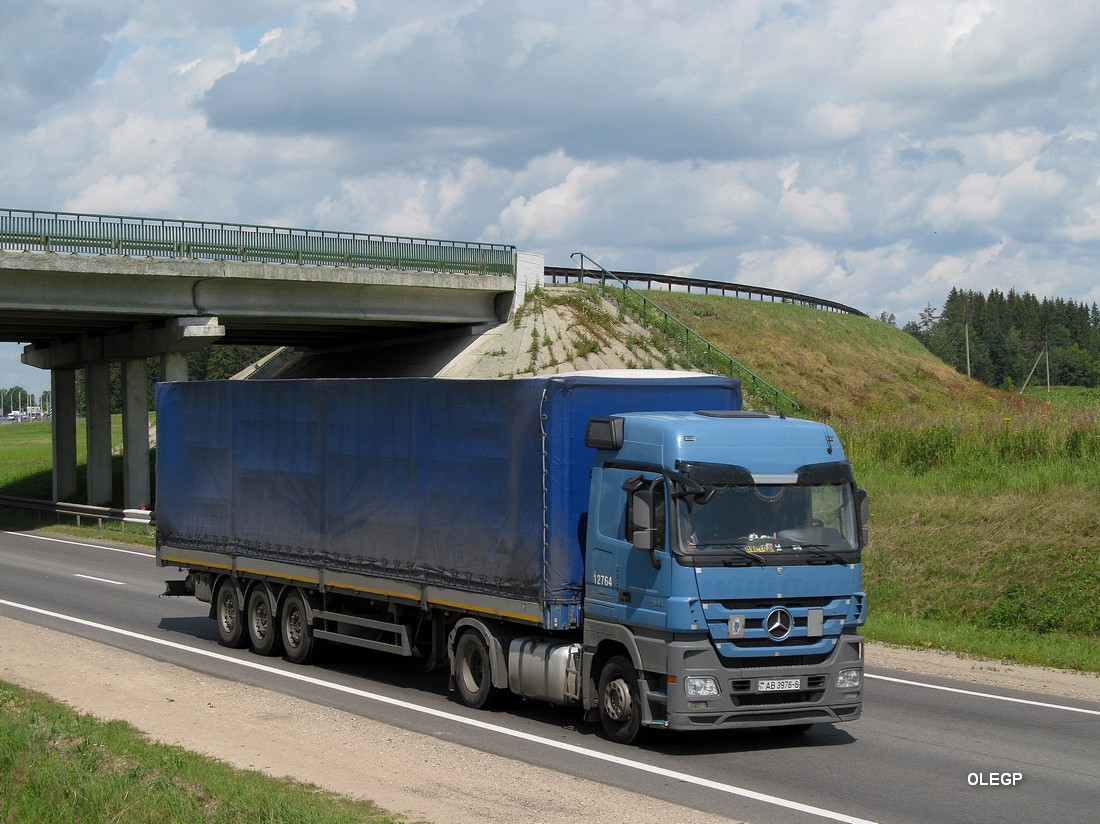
{"x": 620, "y": 702}
{"x": 228, "y": 616}
{"x": 299, "y": 644}
{"x": 263, "y": 630}
{"x": 474, "y": 671}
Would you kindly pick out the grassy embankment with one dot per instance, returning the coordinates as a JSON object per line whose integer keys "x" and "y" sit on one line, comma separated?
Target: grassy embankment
{"x": 985, "y": 519}
{"x": 59, "y": 766}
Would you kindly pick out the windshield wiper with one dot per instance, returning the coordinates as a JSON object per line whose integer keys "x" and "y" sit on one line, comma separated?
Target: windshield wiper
{"x": 741, "y": 559}
{"x": 823, "y": 551}
{"x": 744, "y": 558}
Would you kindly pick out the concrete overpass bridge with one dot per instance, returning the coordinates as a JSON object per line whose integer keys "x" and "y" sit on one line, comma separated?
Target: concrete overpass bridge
{"x": 83, "y": 291}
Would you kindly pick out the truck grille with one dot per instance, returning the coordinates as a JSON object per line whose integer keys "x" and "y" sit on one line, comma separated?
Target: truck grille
{"x": 741, "y": 692}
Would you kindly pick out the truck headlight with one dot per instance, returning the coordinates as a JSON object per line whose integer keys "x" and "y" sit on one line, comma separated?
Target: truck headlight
{"x": 848, "y": 679}
{"x": 701, "y": 686}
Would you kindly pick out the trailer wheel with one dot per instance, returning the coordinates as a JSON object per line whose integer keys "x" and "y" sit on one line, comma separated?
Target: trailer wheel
{"x": 473, "y": 671}
{"x": 299, "y": 641}
{"x": 263, "y": 631}
{"x": 620, "y": 701}
{"x": 228, "y": 616}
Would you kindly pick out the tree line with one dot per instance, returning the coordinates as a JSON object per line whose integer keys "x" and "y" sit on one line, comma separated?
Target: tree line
{"x": 999, "y": 338}
{"x": 16, "y": 398}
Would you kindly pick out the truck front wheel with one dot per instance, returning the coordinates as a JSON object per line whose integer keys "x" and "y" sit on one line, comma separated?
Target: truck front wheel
{"x": 263, "y": 631}
{"x": 474, "y": 672}
{"x": 620, "y": 701}
{"x": 228, "y": 616}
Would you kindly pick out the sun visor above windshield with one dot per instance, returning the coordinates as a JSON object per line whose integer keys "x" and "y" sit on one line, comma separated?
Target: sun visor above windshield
{"x": 712, "y": 474}
{"x": 832, "y": 472}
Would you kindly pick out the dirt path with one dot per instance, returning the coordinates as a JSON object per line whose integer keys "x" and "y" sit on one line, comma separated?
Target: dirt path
{"x": 416, "y": 776}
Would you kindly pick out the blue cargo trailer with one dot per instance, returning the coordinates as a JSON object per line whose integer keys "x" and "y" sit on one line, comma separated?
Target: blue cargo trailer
{"x": 566, "y": 538}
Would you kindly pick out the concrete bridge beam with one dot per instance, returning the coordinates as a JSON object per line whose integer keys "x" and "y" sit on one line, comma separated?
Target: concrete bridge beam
{"x": 177, "y": 335}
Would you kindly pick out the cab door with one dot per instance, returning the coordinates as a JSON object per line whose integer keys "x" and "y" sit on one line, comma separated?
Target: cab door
{"x": 623, "y": 584}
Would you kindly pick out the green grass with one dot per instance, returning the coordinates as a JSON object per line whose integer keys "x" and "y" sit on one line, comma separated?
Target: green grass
{"x": 57, "y": 765}
{"x": 985, "y": 526}
{"x": 995, "y": 528}
{"x": 1069, "y": 652}
{"x": 26, "y": 462}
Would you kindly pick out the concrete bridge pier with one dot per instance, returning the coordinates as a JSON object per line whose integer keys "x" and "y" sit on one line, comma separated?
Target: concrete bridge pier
{"x": 63, "y": 423}
{"x": 135, "y": 433}
{"x": 171, "y": 342}
{"x": 97, "y": 390}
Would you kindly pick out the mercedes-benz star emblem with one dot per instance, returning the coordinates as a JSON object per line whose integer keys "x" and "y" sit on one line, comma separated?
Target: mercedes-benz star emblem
{"x": 779, "y": 623}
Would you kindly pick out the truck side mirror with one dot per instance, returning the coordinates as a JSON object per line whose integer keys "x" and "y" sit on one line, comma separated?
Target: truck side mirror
{"x": 864, "y": 509}
{"x": 643, "y": 530}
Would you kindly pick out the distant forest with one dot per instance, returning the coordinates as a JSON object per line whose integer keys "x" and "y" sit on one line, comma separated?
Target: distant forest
{"x": 1008, "y": 335}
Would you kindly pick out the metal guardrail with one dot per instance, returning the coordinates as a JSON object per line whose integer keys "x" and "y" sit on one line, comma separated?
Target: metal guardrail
{"x": 721, "y": 287}
{"x": 697, "y": 348}
{"x": 144, "y": 517}
{"x": 30, "y": 230}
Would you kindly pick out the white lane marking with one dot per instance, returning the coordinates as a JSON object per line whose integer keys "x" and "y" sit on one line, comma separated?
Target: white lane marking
{"x": 458, "y": 719}
{"x": 101, "y": 580}
{"x": 76, "y": 543}
{"x": 981, "y": 694}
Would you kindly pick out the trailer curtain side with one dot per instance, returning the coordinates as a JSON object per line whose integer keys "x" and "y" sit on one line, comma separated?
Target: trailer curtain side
{"x": 480, "y": 486}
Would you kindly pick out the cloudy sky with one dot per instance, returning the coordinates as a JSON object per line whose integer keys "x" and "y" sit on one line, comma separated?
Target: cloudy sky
{"x": 874, "y": 153}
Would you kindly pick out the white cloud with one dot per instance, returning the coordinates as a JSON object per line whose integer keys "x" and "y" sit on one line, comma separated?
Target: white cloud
{"x": 556, "y": 213}
{"x": 877, "y": 151}
{"x": 815, "y": 210}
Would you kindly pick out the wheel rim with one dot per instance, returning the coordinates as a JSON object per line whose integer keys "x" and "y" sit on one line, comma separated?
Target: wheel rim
{"x": 618, "y": 703}
{"x": 294, "y": 626}
{"x": 260, "y": 619}
{"x": 473, "y": 670}
{"x": 227, "y": 612}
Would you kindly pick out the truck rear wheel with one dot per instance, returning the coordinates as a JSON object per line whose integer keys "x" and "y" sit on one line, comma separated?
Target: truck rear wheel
{"x": 299, "y": 641}
{"x": 263, "y": 631}
{"x": 620, "y": 701}
{"x": 228, "y": 616}
{"x": 474, "y": 671}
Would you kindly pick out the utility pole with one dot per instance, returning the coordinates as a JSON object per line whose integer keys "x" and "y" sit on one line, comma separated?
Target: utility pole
{"x": 966, "y": 332}
{"x": 1036, "y": 366}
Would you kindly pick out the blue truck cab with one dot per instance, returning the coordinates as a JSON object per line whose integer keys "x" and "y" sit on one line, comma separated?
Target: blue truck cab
{"x": 723, "y": 553}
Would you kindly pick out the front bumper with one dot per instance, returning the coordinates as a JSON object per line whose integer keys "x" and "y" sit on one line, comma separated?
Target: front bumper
{"x": 740, "y": 702}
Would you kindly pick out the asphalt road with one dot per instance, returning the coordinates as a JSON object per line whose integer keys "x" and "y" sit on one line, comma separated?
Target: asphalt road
{"x": 960, "y": 754}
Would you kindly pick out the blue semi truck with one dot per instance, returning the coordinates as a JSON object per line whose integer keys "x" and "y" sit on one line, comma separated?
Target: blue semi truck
{"x": 632, "y": 543}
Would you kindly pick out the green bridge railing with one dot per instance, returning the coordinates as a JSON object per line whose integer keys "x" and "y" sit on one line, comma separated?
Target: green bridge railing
{"x": 695, "y": 349}
{"x": 204, "y": 240}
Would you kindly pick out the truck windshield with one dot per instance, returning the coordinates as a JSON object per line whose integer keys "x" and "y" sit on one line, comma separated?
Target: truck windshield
{"x": 782, "y": 524}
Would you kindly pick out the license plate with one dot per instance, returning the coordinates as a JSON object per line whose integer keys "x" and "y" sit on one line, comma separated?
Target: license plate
{"x": 778, "y": 684}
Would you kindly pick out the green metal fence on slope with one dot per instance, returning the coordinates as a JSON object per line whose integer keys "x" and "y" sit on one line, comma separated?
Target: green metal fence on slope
{"x": 693, "y": 347}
